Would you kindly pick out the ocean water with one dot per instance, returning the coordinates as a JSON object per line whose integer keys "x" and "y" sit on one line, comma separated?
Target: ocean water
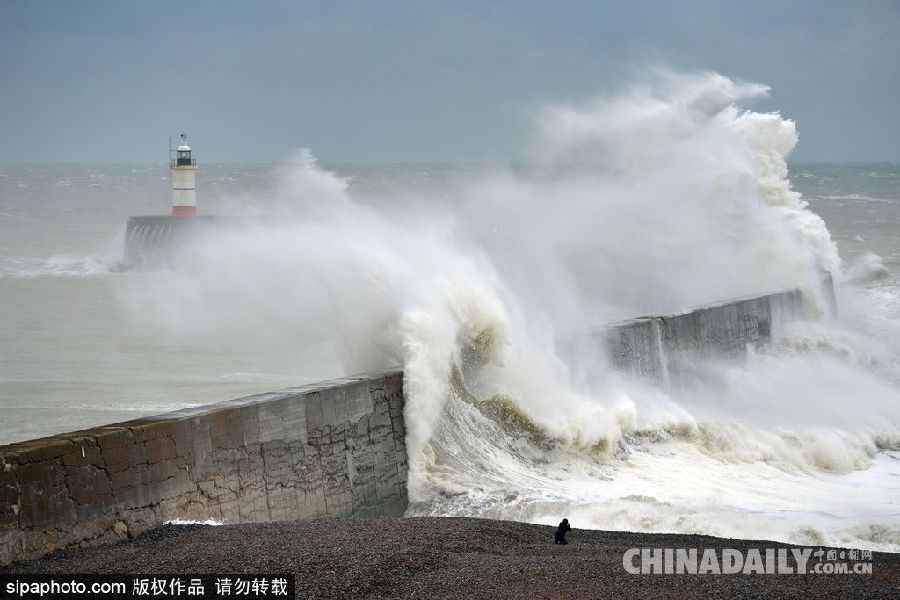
{"x": 469, "y": 276}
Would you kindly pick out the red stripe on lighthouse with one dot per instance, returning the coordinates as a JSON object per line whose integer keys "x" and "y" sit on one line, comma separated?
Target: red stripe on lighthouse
{"x": 184, "y": 211}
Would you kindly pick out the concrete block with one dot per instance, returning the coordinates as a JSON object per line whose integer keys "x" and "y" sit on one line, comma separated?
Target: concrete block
{"x": 334, "y": 405}
{"x": 272, "y": 421}
{"x": 9, "y": 499}
{"x": 44, "y": 500}
{"x": 359, "y": 397}
{"x": 249, "y": 417}
{"x": 326, "y": 449}
{"x": 226, "y": 429}
{"x": 314, "y": 415}
{"x": 201, "y": 443}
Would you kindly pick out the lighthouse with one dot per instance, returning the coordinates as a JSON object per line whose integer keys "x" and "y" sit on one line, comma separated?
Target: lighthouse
{"x": 184, "y": 187}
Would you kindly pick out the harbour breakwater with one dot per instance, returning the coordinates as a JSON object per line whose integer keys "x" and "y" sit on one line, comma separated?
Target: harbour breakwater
{"x": 334, "y": 448}
{"x": 153, "y": 240}
{"x": 671, "y": 350}
{"x": 159, "y": 240}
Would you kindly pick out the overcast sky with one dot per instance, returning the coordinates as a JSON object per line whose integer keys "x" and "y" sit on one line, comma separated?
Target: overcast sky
{"x": 96, "y": 81}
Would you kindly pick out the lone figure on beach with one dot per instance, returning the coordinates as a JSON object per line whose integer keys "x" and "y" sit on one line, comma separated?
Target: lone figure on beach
{"x": 561, "y": 531}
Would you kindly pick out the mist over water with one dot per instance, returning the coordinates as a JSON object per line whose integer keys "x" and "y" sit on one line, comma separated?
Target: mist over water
{"x": 669, "y": 195}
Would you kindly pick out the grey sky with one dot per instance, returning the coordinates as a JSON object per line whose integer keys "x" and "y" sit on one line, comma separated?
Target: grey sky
{"x": 372, "y": 81}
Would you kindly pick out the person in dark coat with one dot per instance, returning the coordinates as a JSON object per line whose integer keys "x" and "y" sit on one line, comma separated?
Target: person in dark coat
{"x": 561, "y": 531}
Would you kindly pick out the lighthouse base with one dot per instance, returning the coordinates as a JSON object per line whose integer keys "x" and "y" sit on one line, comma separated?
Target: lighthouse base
{"x": 165, "y": 241}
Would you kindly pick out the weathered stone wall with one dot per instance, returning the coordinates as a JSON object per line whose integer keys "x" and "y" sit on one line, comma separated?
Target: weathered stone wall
{"x": 334, "y": 448}
{"x": 672, "y": 349}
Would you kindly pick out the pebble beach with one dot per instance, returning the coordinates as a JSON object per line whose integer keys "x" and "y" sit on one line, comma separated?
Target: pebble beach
{"x": 448, "y": 558}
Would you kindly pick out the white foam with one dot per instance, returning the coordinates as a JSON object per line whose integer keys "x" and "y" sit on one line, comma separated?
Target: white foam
{"x": 685, "y": 200}
{"x": 867, "y": 268}
{"x": 858, "y": 197}
{"x": 213, "y": 522}
{"x": 54, "y": 266}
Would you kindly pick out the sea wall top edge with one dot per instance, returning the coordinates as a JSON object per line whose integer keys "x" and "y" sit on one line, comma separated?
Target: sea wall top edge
{"x": 693, "y": 309}
{"x": 66, "y": 438}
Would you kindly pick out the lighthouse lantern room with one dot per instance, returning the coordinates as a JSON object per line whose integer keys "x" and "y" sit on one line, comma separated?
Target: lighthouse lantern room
{"x": 184, "y": 190}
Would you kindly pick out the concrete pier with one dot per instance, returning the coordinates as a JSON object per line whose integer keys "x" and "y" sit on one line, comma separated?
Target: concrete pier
{"x": 335, "y": 448}
{"x": 671, "y": 349}
{"x": 156, "y": 241}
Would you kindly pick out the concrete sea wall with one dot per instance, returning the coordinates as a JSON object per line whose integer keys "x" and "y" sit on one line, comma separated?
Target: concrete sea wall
{"x": 672, "y": 349}
{"x": 334, "y": 448}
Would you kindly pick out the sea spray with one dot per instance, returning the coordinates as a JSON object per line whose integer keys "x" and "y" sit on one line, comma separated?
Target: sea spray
{"x": 678, "y": 198}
